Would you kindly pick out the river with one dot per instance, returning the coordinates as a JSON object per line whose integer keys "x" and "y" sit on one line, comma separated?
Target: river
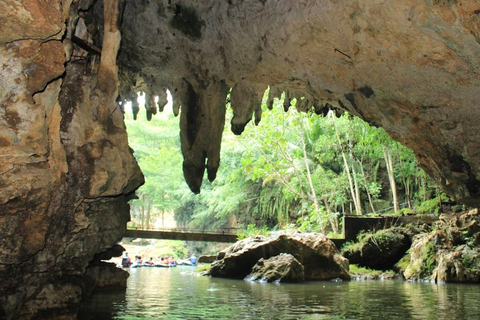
{"x": 178, "y": 293}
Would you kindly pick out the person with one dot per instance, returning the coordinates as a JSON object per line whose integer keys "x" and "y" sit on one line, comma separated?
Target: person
{"x": 150, "y": 262}
{"x": 193, "y": 259}
{"x": 172, "y": 261}
{"x": 126, "y": 262}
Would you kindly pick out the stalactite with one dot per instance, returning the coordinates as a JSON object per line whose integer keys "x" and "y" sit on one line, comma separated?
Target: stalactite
{"x": 150, "y": 105}
{"x": 201, "y": 127}
{"x": 274, "y": 92}
{"x": 162, "y": 100}
{"x": 245, "y": 101}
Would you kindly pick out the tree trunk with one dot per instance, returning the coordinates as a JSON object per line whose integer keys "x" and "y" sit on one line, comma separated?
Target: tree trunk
{"x": 313, "y": 193}
{"x": 347, "y": 169}
{"x": 391, "y": 177}
{"x": 370, "y": 201}
{"x": 358, "y": 202}
{"x": 149, "y": 207}
{"x": 405, "y": 180}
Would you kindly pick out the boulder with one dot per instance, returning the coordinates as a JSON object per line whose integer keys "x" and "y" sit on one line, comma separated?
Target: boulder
{"x": 106, "y": 276}
{"x": 283, "y": 267}
{"x": 318, "y": 255}
{"x": 207, "y": 258}
{"x": 380, "y": 250}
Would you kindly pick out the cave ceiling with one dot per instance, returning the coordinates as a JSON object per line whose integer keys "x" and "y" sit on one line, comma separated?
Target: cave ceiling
{"x": 409, "y": 66}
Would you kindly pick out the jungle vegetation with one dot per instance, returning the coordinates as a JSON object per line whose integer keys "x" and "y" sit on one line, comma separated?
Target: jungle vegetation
{"x": 293, "y": 170}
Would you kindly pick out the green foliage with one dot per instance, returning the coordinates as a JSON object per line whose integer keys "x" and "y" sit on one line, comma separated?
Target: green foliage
{"x": 356, "y": 270}
{"x": 203, "y": 268}
{"x": 161, "y": 248}
{"x": 403, "y": 263}
{"x": 432, "y": 205}
{"x": 288, "y": 171}
{"x": 173, "y": 248}
{"x": 252, "y": 230}
{"x": 471, "y": 259}
{"x": 351, "y": 246}
{"x": 429, "y": 255}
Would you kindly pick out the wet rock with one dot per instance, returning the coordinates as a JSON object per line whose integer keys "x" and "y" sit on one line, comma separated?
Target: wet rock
{"x": 380, "y": 250}
{"x": 450, "y": 253}
{"x": 115, "y": 251}
{"x": 105, "y": 276}
{"x": 66, "y": 171}
{"x": 281, "y": 268}
{"x": 206, "y": 258}
{"x": 318, "y": 255}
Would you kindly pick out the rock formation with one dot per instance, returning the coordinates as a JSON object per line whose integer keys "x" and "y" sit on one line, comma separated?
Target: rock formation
{"x": 66, "y": 171}
{"x": 449, "y": 253}
{"x": 380, "y": 250}
{"x": 411, "y": 67}
{"x": 317, "y": 255}
{"x": 281, "y": 268}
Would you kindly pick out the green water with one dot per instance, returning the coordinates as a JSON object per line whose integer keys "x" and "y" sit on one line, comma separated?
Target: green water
{"x": 177, "y": 293}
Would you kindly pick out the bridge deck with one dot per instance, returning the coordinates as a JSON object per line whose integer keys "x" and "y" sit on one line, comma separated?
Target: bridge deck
{"x": 181, "y": 235}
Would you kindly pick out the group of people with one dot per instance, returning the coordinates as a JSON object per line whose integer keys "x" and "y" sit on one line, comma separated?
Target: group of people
{"x": 164, "y": 261}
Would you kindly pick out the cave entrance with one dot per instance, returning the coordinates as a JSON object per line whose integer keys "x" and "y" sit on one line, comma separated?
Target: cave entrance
{"x": 294, "y": 170}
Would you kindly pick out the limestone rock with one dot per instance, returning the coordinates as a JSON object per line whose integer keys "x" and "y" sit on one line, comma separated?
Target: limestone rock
{"x": 443, "y": 256}
{"x": 115, "y": 251}
{"x": 206, "y": 258}
{"x": 106, "y": 276}
{"x": 66, "y": 170}
{"x": 411, "y": 67}
{"x": 380, "y": 250}
{"x": 281, "y": 268}
{"x": 318, "y": 255}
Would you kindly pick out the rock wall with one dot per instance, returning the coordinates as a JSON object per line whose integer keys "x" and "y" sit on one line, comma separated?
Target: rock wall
{"x": 66, "y": 170}
{"x": 411, "y": 67}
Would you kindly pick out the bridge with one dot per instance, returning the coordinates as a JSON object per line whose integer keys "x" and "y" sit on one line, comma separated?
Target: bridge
{"x": 351, "y": 227}
{"x": 224, "y": 235}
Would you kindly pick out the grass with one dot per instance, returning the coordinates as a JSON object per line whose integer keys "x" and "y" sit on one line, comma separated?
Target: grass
{"x": 202, "y": 268}
{"x": 361, "y": 272}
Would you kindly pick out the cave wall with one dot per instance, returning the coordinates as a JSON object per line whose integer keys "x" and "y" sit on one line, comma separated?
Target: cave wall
{"x": 411, "y": 67}
{"x": 66, "y": 170}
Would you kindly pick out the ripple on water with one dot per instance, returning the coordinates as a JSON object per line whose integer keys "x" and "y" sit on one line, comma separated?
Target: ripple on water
{"x": 160, "y": 293}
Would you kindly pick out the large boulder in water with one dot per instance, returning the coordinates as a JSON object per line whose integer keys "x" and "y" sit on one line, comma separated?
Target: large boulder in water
{"x": 283, "y": 267}
{"x": 318, "y": 255}
{"x": 380, "y": 250}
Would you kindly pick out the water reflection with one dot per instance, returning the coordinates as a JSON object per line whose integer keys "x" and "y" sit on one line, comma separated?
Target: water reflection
{"x": 176, "y": 293}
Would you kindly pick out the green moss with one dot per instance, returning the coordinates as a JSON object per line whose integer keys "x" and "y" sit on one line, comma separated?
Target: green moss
{"x": 202, "y": 268}
{"x": 403, "y": 263}
{"x": 432, "y": 205}
{"x": 471, "y": 259}
{"x": 351, "y": 246}
{"x": 357, "y": 271}
{"x": 429, "y": 255}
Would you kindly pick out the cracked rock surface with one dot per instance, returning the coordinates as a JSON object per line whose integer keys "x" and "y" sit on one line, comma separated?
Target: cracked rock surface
{"x": 411, "y": 67}
{"x": 66, "y": 170}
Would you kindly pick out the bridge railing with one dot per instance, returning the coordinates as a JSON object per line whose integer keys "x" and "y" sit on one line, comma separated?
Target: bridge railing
{"x": 229, "y": 231}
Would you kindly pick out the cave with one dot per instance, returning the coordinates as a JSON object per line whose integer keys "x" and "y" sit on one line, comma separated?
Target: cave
{"x": 67, "y": 172}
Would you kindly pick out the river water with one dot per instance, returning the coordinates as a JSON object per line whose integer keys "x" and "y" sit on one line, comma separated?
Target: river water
{"x": 177, "y": 293}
